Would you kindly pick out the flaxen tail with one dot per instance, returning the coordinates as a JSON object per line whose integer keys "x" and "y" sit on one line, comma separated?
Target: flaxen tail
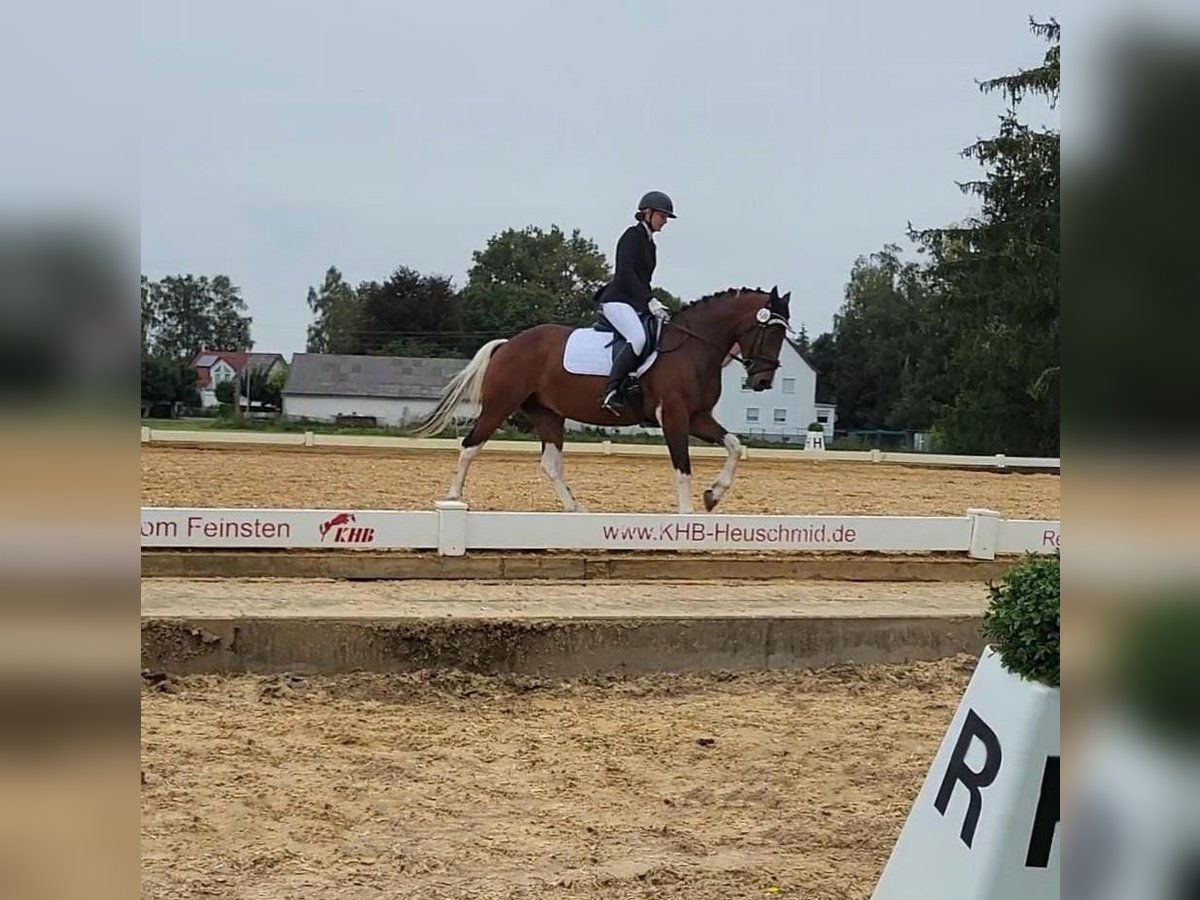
{"x": 466, "y": 386}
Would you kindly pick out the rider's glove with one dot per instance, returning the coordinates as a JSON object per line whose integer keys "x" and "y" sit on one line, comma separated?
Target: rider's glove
{"x": 657, "y": 309}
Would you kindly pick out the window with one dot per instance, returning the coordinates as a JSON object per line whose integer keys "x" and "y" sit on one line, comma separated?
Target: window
{"x": 789, "y": 385}
{"x": 752, "y": 414}
{"x": 780, "y": 415}
{"x": 823, "y": 418}
{"x": 746, "y": 383}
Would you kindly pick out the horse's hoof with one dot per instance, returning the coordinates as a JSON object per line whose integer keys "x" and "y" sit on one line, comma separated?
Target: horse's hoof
{"x": 710, "y": 501}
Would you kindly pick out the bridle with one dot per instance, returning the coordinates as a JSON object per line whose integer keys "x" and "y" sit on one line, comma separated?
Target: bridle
{"x": 765, "y": 318}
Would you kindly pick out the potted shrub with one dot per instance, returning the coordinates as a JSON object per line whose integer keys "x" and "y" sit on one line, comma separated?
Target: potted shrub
{"x": 985, "y": 823}
{"x": 1136, "y": 794}
{"x": 1021, "y": 623}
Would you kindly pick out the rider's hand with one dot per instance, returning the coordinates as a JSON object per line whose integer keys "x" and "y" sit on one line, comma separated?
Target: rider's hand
{"x": 657, "y": 309}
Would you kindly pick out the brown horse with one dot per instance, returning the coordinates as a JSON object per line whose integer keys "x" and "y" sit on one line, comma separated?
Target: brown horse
{"x": 678, "y": 392}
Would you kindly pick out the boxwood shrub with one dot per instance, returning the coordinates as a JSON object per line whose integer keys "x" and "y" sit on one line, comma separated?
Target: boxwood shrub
{"x": 1022, "y": 619}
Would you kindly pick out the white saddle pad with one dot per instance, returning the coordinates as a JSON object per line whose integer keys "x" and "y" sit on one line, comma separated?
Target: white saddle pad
{"x": 588, "y": 353}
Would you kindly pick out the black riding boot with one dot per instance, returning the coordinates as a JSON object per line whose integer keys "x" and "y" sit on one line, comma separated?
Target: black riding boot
{"x": 625, "y": 363}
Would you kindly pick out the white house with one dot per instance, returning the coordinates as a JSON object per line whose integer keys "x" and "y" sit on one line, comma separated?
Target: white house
{"x": 781, "y": 413}
{"x": 383, "y": 390}
{"x": 214, "y": 366}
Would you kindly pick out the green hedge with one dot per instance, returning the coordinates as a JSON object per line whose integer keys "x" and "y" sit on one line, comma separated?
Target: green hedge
{"x": 1022, "y": 619}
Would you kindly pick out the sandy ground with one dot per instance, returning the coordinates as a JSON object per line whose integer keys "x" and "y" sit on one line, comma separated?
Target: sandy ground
{"x": 280, "y": 597}
{"x": 455, "y": 786}
{"x": 296, "y": 478}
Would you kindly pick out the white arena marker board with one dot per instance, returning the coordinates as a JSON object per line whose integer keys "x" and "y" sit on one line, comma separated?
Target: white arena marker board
{"x": 985, "y": 823}
{"x": 1019, "y": 535}
{"x": 289, "y": 528}
{"x": 598, "y": 531}
{"x": 453, "y": 529}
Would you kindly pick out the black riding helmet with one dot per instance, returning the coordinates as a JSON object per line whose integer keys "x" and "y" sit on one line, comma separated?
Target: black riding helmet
{"x": 659, "y": 201}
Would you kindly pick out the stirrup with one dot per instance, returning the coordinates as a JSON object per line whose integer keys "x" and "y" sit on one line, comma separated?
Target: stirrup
{"x": 611, "y": 401}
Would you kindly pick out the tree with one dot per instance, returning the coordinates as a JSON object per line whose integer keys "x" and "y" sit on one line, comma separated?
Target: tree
{"x": 275, "y": 385}
{"x": 822, "y": 353}
{"x": 803, "y": 344}
{"x": 869, "y": 358}
{"x": 337, "y": 316}
{"x": 410, "y": 314}
{"x": 996, "y": 283}
{"x": 168, "y": 380}
{"x": 182, "y": 315}
{"x": 527, "y": 277}
{"x": 254, "y": 385}
{"x": 225, "y": 392}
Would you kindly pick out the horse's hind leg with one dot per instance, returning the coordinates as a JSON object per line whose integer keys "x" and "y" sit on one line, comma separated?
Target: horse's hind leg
{"x": 495, "y": 409}
{"x": 549, "y": 426}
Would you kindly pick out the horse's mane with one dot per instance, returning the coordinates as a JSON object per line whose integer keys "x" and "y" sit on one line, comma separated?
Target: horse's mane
{"x": 707, "y": 298}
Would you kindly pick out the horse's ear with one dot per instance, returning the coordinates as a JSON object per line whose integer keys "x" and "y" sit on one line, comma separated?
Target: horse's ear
{"x": 786, "y": 297}
{"x": 775, "y": 292}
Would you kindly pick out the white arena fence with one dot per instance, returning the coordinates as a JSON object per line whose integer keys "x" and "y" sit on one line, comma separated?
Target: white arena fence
{"x": 595, "y": 448}
{"x": 452, "y": 529}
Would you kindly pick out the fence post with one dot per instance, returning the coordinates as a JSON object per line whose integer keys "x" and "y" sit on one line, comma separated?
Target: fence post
{"x": 308, "y": 439}
{"x": 876, "y": 455}
{"x": 607, "y": 447}
{"x": 452, "y": 528}
{"x": 985, "y": 533}
{"x": 1001, "y": 461}
{"x": 145, "y": 434}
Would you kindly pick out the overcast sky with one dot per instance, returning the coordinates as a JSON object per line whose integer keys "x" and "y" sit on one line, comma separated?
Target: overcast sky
{"x": 279, "y": 138}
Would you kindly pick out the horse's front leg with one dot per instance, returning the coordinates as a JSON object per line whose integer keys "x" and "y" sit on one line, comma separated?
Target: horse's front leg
{"x": 675, "y": 425}
{"x": 705, "y": 427}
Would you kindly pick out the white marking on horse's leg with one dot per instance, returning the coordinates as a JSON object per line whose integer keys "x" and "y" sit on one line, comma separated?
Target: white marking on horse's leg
{"x": 658, "y": 414}
{"x": 733, "y": 447}
{"x": 685, "y": 493}
{"x": 552, "y": 465}
{"x": 460, "y": 476}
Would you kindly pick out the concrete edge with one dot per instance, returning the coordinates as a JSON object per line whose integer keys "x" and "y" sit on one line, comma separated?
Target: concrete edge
{"x": 366, "y": 565}
{"x": 555, "y": 648}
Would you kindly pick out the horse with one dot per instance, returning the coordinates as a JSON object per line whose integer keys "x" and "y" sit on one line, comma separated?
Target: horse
{"x": 677, "y": 392}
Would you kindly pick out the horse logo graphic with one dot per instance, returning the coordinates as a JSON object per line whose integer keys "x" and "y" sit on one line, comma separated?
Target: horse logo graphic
{"x": 341, "y": 530}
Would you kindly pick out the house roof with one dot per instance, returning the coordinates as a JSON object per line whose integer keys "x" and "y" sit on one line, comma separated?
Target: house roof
{"x": 235, "y": 359}
{"x": 265, "y": 360}
{"x": 390, "y": 377}
{"x": 208, "y": 358}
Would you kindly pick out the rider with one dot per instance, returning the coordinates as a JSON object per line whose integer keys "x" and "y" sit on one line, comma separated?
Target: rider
{"x": 627, "y": 298}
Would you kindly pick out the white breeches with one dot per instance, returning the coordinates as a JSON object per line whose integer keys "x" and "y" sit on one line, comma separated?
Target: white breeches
{"x": 626, "y": 321}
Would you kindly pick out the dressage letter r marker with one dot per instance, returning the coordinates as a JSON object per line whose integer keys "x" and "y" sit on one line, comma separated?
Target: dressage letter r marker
{"x": 957, "y": 772}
